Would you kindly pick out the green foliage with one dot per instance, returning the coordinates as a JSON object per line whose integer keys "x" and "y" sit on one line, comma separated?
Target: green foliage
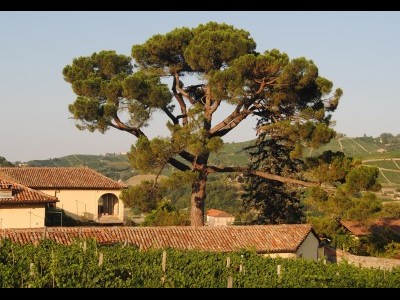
{"x": 274, "y": 201}
{"x": 363, "y": 178}
{"x": 220, "y": 193}
{"x": 53, "y": 265}
{"x": 150, "y": 155}
{"x": 364, "y": 208}
{"x": 4, "y": 162}
{"x": 294, "y": 103}
{"x": 164, "y": 51}
{"x": 392, "y": 250}
{"x": 97, "y": 80}
{"x": 325, "y": 226}
{"x": 330, "y": 166}
{"x": 216, "y": 45}
{"x": 144, "y": 196}
{"x": 165, "y": 215}
{"x": 390, "y": 210}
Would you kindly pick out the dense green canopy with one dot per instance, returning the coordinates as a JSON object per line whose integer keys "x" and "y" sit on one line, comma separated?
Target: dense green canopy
{"x": 203, "y": 66}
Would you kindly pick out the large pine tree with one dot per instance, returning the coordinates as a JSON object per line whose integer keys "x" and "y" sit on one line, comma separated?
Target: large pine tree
{"x": 205, "y": 66}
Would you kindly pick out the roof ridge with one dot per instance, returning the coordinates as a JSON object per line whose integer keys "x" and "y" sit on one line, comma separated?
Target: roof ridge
{"x": 261, "y": 238}
{"x": 62, "y": 177}
{"x": 28, "y": 189}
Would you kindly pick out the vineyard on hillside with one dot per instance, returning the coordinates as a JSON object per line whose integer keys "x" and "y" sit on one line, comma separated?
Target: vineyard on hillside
{"x": 371, "y": 150}
{"x": 85, "y": 264}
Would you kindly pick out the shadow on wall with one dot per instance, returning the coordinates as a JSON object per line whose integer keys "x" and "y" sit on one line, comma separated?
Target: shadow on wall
{"x": 57, "y": 217}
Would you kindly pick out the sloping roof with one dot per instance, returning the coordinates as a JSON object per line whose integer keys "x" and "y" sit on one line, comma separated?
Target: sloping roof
{"x": 263, "y": 239}
{"x": 358, "y": 229}
{"x": 68, "y": 178}
{"x": 23, "y": 195}
{"x": 218, "y": 213}
{"x": 355, "y": 228}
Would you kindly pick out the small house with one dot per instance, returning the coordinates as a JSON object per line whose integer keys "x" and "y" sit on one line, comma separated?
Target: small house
{"x": 22, "y": 207}
{"x": 215, "y": 217}
{"x": 83, "y": 193}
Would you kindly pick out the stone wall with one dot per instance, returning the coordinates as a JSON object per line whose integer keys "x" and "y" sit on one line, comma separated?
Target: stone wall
{"x": 337, "y": 255}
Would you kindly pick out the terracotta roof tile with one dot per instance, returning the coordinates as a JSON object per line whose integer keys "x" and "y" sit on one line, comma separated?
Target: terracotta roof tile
{"x": 358, "y": 229}
{"x": 48, "y": 177}
{"x": 22, "y": 194}
{"x": 218, "y": 213}
{"x": 263, "y": 239}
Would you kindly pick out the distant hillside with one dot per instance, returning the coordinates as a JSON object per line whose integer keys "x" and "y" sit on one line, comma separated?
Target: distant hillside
{"x": 361, "y": 147}
{"x": 112, "y": 165}
{"x": 381, "y": 152}
{"x": 117, "y": 166}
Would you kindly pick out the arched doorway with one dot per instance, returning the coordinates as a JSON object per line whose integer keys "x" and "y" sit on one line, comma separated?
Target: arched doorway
{"x": 108, "y": 205}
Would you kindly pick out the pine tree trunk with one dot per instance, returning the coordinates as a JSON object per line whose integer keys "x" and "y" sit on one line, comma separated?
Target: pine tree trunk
{"x": 197, "y": 200}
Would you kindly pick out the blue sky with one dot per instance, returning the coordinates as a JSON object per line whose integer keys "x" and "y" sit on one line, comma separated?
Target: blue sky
{"x": 358, "y": 51}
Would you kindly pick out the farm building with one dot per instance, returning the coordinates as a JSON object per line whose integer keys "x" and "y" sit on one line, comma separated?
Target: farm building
{"x": 20, "y": 206}
{"x": 215, "y": 217}
{"x": 287, "y": 241}
{"x": 83, "y": 193}
{"x": 358, "y": 229}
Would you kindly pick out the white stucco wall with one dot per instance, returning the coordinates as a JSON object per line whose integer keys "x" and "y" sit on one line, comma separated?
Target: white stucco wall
{"x": 309, "y": 248}
{"x": 83, "y": 204}
{"x": 22, "y": 216}
{"x": 218, "y": 221}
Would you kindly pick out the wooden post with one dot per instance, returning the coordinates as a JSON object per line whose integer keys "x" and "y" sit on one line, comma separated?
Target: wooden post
{"x": 164, "y": 266}
{"x": 100, "y": 259}
{"x": 241, "y": 265}
{"x": 31, "y": 273}
{"x": 52, "y": 267}
{"x": 84, "y": 246}
{"x": 279, "y": 271}
{"x": 31, "y": 269}
{"x": 164, "y": 261}
{"x": 230, "y": 279}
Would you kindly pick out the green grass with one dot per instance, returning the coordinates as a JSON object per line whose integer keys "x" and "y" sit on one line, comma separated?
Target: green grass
{"x": 386, "y": 164}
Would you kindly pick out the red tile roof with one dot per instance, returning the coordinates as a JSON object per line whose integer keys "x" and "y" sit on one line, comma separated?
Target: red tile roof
{"x": 218, "y": 213}
{"x": 59, "y": 178}
{"x": 263, "y": 239}
{"x": 23, "y": 195}
{"x": 358, "y": 229}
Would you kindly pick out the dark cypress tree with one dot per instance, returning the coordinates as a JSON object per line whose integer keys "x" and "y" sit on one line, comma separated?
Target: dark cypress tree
{"x": 274, "y": 202}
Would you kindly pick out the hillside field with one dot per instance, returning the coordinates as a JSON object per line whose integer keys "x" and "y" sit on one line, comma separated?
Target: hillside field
{"x": 372, "y": 151}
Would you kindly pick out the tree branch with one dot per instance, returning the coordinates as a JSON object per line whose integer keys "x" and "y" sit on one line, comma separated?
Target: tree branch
{"x": 123, "y": 127}
{"x": 180, "y": 90}
{"x": 227, "y": 120}
{"x": 233, "y": 123}
{"x": 187, "y": 156}
{"x": 264, "y": 83}
{"x": 215, "y": 106}
{"x": 177, "y": 164}
{"x": 214, "y": 169}
{"x": 174, "y": 119}
{"x": 181, "y": 102}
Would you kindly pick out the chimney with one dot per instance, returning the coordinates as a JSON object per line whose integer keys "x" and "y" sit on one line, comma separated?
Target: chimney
{"x": 6, "y": 191}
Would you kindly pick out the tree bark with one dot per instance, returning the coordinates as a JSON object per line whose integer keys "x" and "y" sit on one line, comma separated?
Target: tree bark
{"x": 197, "y": 199}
